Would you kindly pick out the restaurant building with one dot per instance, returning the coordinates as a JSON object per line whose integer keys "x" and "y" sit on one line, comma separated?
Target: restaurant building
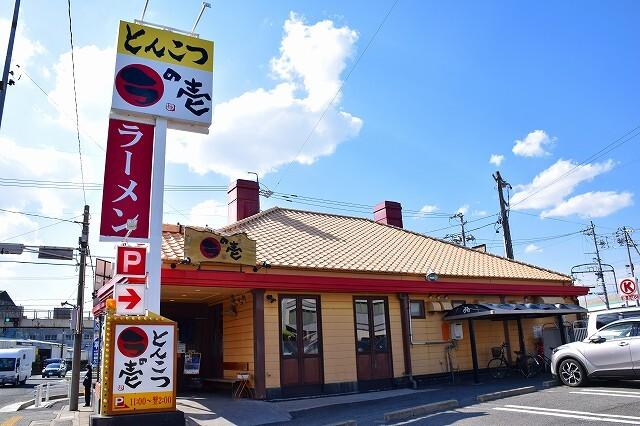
{"x": 321, "y": 303}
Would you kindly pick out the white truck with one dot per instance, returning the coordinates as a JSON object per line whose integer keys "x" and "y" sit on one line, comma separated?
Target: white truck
{"x": 16, "y": 364}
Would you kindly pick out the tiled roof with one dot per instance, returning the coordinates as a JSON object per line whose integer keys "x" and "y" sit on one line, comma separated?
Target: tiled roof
{"x": 294, "y": 238}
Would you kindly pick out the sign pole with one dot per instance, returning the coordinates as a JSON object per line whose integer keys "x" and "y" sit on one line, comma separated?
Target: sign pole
{"x": 155, "y": 225}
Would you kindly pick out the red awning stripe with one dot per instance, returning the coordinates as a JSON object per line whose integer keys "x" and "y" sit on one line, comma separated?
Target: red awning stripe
{"x": 356, "y": 285}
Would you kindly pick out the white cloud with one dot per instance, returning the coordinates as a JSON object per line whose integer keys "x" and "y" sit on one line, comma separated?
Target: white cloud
{"x": 94, "y": 76}
{"x": 24, "y": 49}
{"x": 533, "y": 145}
{"x": 463, "y": 209}
{"x": 496, "y": 159}
{"x": 551, "y": 186}
{"x": 40, "y": 163}
{"x": 532, "y": 248}
{"x": 591, "y": 204}
{"x": 263, "y": 129}
{"x": 210, "y": 212}
{"x": 429, "y": 208}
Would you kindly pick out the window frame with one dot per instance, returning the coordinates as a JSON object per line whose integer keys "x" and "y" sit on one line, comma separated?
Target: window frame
{"x": 422, "y": 314}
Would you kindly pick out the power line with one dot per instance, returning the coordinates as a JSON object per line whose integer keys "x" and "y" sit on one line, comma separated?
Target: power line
{"x": 469, "y": 221}
{"x": 38, "y": 215}
{"x": 37, "y": 229}
{"x": 326, "y": 109}
{"x": 608, "y": 148}
{"x": 75, "y": 99}
{"x": 38, "y": 263}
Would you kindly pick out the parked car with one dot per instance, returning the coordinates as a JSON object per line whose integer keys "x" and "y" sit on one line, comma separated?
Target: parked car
{"x": 613, "y": 352}
{"x": 599, "y": 319}
{"x": 54, "y": 369}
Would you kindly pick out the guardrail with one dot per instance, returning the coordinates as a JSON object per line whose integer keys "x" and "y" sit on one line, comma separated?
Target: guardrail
{"x": 43, "y": 392}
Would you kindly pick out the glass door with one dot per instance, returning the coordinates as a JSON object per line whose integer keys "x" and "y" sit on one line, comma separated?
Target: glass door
{"x": 300, "y": 345}
{"x": 373, "y": 342}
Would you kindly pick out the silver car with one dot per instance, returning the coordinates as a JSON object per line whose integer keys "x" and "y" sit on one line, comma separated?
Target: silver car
{"x": 613, "y": 352}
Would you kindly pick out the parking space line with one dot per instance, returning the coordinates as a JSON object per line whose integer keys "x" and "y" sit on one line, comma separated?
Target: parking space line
{"x": 605, "y": 393}
{"x": 590, "y": 417}
{"x": 611, "y": 391}
{"x": 621, "y": 416}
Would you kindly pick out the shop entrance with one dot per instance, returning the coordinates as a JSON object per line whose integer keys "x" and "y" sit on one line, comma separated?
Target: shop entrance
{"x": 373, "y": 342}
{"x": 301, "y": 370}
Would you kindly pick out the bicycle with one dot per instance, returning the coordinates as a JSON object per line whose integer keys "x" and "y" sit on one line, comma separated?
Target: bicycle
{"x": 499, "y": 367}
{"x": 544, "y": 361}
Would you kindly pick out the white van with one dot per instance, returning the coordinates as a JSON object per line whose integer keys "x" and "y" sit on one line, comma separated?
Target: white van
{"x": 599, "y": 319}
{"x": 15, "y": 365}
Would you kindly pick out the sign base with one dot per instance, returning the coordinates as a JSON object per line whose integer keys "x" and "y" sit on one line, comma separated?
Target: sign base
{"x": 168, "y": 418}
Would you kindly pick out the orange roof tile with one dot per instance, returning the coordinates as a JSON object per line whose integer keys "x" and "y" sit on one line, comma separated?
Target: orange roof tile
{"x": 295, "y": 238}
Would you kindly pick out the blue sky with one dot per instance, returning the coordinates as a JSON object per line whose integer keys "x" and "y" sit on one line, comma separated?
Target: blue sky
{"x": 442, "y": 87}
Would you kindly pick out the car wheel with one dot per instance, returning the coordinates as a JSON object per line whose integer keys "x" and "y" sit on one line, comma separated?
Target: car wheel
{"x": 571, "y": 373}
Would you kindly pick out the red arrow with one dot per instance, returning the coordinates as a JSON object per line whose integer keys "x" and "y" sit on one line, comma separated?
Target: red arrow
{"x": 133, "y": 298}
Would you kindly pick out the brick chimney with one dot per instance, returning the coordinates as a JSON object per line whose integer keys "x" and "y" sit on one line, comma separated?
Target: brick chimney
{"x": 244, "y": 199}
{"x": 388, "y": 212}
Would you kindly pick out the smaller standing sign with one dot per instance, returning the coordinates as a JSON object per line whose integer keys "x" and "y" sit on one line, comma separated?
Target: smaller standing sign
{"x": 131, "y": 261}
{"x": 628, "y": 289}
{"x": 129, "y": 299}
{"x": 139, "y": 365}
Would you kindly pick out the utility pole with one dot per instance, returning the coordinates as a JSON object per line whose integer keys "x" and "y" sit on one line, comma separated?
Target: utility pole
{"x": 504, "y": 214}
{"x": 77, "y": 338}
{"x": 4, "y": 84}
{"x": 627, "y": 244}
{"x": 460, "y": 216}
{"x": 592, "y": 231}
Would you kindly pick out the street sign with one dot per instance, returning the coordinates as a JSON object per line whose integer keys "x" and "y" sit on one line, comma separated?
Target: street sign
{"x": 55, "y": 253}
{"x": 131, "y": 261}
{"x": 628, "y": 289}
{"x": 129, "y": 299}
{"x": 11, "y": 248}
{"x": 140, "y": 353}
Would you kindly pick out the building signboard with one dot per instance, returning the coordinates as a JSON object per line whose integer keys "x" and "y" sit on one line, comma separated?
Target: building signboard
{"x": 161, "y": 73}
{"x": 140, "y": 354}
{"x": 207, "y": 246}
{"x": 628, "y": 289}
{"x": 126, "y": 193}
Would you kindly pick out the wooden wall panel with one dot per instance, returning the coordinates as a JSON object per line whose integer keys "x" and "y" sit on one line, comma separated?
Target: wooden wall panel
{"x": 237, "y": 335}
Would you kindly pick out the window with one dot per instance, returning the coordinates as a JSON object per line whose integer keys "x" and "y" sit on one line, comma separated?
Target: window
{"x": 617, "y": 331}
{"x": 50, "y": 337}
{"x": 416, "y": 307}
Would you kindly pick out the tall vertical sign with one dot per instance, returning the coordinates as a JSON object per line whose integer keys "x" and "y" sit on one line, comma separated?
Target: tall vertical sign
{"x": 126, "y": 193}
{"x": 164, "y": 77}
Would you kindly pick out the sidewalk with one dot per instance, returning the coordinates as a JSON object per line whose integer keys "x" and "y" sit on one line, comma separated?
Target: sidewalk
{"x": 218, "y": 409}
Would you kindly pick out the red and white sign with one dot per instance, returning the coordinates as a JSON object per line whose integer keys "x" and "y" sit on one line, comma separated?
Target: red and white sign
{"x": 129, "y": 299}
{"x": 628, "y": 289}
{"x": 126, "y": 193}
{"x": 131, "y": 261}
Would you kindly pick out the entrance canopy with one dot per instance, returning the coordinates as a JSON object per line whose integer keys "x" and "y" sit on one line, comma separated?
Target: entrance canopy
{"x": 511, "y": 310}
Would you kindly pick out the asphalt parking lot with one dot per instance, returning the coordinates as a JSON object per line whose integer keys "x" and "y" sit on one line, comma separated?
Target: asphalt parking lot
{"x": 597, "y": 404}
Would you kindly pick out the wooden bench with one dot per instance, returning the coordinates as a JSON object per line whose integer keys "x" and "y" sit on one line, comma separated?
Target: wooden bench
{"x": 234, "y": 382}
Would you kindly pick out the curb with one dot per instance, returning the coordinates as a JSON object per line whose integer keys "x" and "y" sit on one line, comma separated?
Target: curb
{"x": 550, "y": 384}
{"x": 421, "y": 410}
{"x": 505, "y": 394}
{"x": 344, "y": 423}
